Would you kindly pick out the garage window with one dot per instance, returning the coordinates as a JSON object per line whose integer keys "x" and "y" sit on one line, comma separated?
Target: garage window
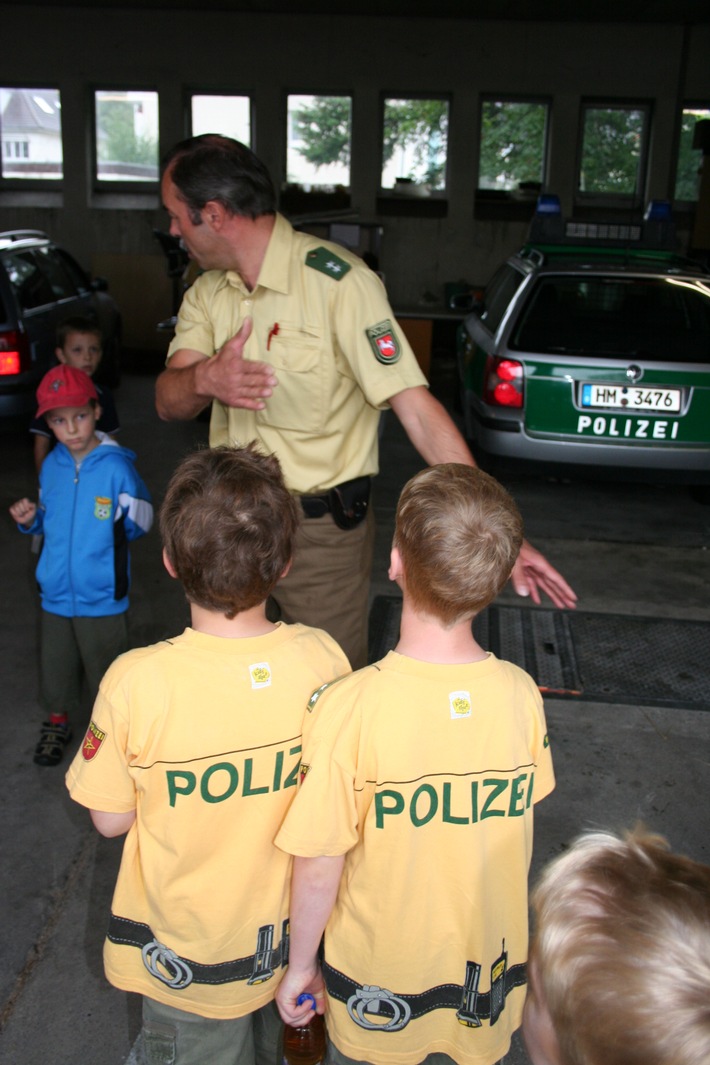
{"x": 513, "y": 144}
{"x": 31, "y": 123}
{"x": 228, "y": 115}
{"x": 690, "y": 156}
{"x": 613, "y": 152}
{"x": 126, "y": 136}
{"x": 415, "y": 143}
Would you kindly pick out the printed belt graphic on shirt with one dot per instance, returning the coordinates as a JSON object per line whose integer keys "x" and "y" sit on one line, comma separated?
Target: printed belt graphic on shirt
{"x": 165, "y": 965}
{"x": 377, "y": 1009}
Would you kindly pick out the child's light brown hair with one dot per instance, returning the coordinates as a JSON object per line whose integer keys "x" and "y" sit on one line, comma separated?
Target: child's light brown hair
{"x": 458, "y": 533}
{"x": 621, "y": 952}
{"x": 228, "y": 524}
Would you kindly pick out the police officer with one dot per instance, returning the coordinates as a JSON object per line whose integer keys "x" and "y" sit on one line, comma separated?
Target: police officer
{"x": 293, "y": 343}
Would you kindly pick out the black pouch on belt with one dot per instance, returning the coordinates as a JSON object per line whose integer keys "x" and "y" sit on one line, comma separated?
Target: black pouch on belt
{"x": 349, "y": 502}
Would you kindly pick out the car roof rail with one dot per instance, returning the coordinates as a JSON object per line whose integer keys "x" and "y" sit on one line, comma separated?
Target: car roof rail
{"x": 23, "y": 234}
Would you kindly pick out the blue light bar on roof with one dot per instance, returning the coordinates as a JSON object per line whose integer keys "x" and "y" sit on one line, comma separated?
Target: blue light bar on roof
{"x": 548, "y": 204}
{"x": 658, "y": 211}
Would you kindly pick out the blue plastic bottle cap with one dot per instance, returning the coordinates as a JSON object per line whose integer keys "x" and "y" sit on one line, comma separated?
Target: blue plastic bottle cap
{"x": 304, "y": 998}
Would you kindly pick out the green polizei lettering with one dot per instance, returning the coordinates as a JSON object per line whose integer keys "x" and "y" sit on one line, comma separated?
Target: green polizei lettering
{"x": 515, "y": 807}
{"x": 278, "y": 770}
{"x": 291, "y": 780}
{"x": 447, "y": 815}
{"x": 232, "y": 782}
{"x": 188, "y": 786}
{"x": 423, "y": 789}
{"x": 498, "y": 787}
{"x": 474, "y": 802}
{"x": 387, "y": 804}
{"x": 248, "y": 789}
{"x": 529, "y": 799}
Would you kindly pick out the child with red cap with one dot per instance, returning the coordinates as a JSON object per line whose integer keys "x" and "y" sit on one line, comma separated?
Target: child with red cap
{"x": 92, "y": 502}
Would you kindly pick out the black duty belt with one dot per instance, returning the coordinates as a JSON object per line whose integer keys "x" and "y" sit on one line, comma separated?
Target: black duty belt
{"x": 167, "y": 966}
{"x": 347, "y": 502}
{"x": 394, "y": 1011}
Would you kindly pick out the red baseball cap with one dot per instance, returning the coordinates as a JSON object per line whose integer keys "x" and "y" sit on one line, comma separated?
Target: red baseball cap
{"x": 64, "y": 386}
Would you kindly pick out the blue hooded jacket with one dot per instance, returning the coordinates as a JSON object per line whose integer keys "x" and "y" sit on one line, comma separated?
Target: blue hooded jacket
{"x": 88, "y": 515}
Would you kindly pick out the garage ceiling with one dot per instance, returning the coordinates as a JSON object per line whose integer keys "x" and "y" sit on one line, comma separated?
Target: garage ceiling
{"x": 670, "y": 11}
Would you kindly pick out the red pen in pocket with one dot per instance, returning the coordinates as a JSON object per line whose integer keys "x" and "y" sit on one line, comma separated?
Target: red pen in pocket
{"x": 273, "y": 332}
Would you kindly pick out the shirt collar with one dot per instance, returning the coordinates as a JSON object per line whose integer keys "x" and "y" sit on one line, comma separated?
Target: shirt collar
{"x": 274, "y": 273}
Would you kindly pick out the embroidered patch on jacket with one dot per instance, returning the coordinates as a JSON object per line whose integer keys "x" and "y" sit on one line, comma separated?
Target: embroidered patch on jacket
{"x": 260, "y": 674}
{"x": 460, "y": 704}
{"x": 92, "y": 742}
{"x": 102, "y": 508}
{"x": 326, "y": 262}
{"x": 384, "y": 343}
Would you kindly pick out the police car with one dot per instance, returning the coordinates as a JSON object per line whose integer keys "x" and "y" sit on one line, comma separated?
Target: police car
{"x": 591, "y": 347}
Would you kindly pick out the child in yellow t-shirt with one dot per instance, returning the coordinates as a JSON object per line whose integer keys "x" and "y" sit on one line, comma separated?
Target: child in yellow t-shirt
{"x": 193, "y": 750}
{"x": 413, "y": 826}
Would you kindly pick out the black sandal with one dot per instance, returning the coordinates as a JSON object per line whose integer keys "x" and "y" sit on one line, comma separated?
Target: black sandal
{"x": 52, "y": 742}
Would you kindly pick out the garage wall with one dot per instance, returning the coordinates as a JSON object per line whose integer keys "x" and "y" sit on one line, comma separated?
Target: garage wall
{"x": 80, "y": 49}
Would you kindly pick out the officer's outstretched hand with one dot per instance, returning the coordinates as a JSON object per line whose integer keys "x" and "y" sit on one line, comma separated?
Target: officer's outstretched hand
{"x": 532, "y": 574}
{"x": 234, "y": 380}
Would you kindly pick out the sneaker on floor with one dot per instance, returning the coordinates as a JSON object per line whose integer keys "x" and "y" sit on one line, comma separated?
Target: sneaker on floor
{"x": 52, "y": 742}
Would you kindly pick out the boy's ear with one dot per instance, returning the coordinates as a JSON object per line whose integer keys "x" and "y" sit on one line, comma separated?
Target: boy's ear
{"x": 168, "y": 564}
{"x": 287, "y": 569}
{"x": 396, "y": 569}
{"x": 59, "y": 352}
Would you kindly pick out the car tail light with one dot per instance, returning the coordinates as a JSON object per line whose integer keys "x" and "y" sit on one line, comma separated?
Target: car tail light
{"x": 14, "y": 353}
{"x": 503, "y": 385}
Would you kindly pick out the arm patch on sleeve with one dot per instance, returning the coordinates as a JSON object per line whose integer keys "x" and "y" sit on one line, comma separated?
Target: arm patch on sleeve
{"x": 384, "y": 342}
{"x": 326, "y": 262}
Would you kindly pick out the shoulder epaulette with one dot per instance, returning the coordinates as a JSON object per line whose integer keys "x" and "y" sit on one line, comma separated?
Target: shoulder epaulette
{"x": 327, "y": 262}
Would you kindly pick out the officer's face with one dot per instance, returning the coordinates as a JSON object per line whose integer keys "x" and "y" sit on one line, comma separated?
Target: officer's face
{"x": 190, "y": 227}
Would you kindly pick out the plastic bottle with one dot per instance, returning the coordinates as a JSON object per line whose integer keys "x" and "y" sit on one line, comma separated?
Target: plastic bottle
{"x": 306, "y": 1045}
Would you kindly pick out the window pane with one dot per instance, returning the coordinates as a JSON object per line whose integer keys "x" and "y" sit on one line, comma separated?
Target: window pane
{"x": 512, "y": 144}
{"x": 612, "y": 148}
{"x": 319, "y": 136}
{"x": 228, "y": 115}
{"x": 414, "y": 144}
{"x": 687, "y": 178}
{"x": 126, "y": 136}
{"x": 31, "y": 124}
{"x": 31, "y": 286}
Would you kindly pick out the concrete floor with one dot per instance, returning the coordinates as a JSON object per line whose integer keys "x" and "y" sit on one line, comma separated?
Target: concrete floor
{"x": 627, "y": 549}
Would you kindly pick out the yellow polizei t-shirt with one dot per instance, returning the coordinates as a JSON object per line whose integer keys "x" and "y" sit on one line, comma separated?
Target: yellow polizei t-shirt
{"x": 201, "y": 736}
{"x": 425, "y": 776}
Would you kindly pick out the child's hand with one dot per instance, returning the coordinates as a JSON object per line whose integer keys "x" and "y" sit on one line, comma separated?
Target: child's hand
{"x": 23, "y": 512}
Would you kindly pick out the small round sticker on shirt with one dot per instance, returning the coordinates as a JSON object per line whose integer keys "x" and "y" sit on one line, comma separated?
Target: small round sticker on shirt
{"x": 384, "y": 342}
{"x": 460, "y": 704}
{"x": 260, "y": 673}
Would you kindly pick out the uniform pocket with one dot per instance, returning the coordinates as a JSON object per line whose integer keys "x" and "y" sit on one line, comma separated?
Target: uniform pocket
{"x": 297, "y": 353}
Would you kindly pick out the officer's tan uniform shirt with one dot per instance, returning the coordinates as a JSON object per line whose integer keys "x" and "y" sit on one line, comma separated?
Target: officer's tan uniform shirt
{"x": 322, "y": 320}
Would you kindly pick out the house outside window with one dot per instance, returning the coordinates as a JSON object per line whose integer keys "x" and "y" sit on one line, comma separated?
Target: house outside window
{"x": 31, "y": 130}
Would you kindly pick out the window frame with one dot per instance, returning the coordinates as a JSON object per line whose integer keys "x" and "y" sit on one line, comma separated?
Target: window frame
{"x": 514, "y": 195}
{"x": 615, "y": 199}
{"x": 294, "y": 199}
{"x": 100, "y": 186}
{"x": 192, "y": 91}
{"x": 30, "y": 184}
{"x": 687, "y": 105}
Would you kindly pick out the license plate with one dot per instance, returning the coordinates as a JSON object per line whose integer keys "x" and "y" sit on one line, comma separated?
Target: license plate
{"x": 630, "y": 397}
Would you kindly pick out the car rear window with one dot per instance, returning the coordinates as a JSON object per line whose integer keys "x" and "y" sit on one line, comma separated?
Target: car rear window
{"x": 499, "y": 292}
{"x": 647, "y": 318}
{"x": 28, "y": 280}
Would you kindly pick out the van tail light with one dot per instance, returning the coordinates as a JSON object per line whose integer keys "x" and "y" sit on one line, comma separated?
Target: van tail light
{"x": 14, "y": 353}
{"x": 503, "y": 385}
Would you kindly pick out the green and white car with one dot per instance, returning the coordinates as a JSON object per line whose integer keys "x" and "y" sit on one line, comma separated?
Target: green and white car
{"x": 592, "y": 351}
